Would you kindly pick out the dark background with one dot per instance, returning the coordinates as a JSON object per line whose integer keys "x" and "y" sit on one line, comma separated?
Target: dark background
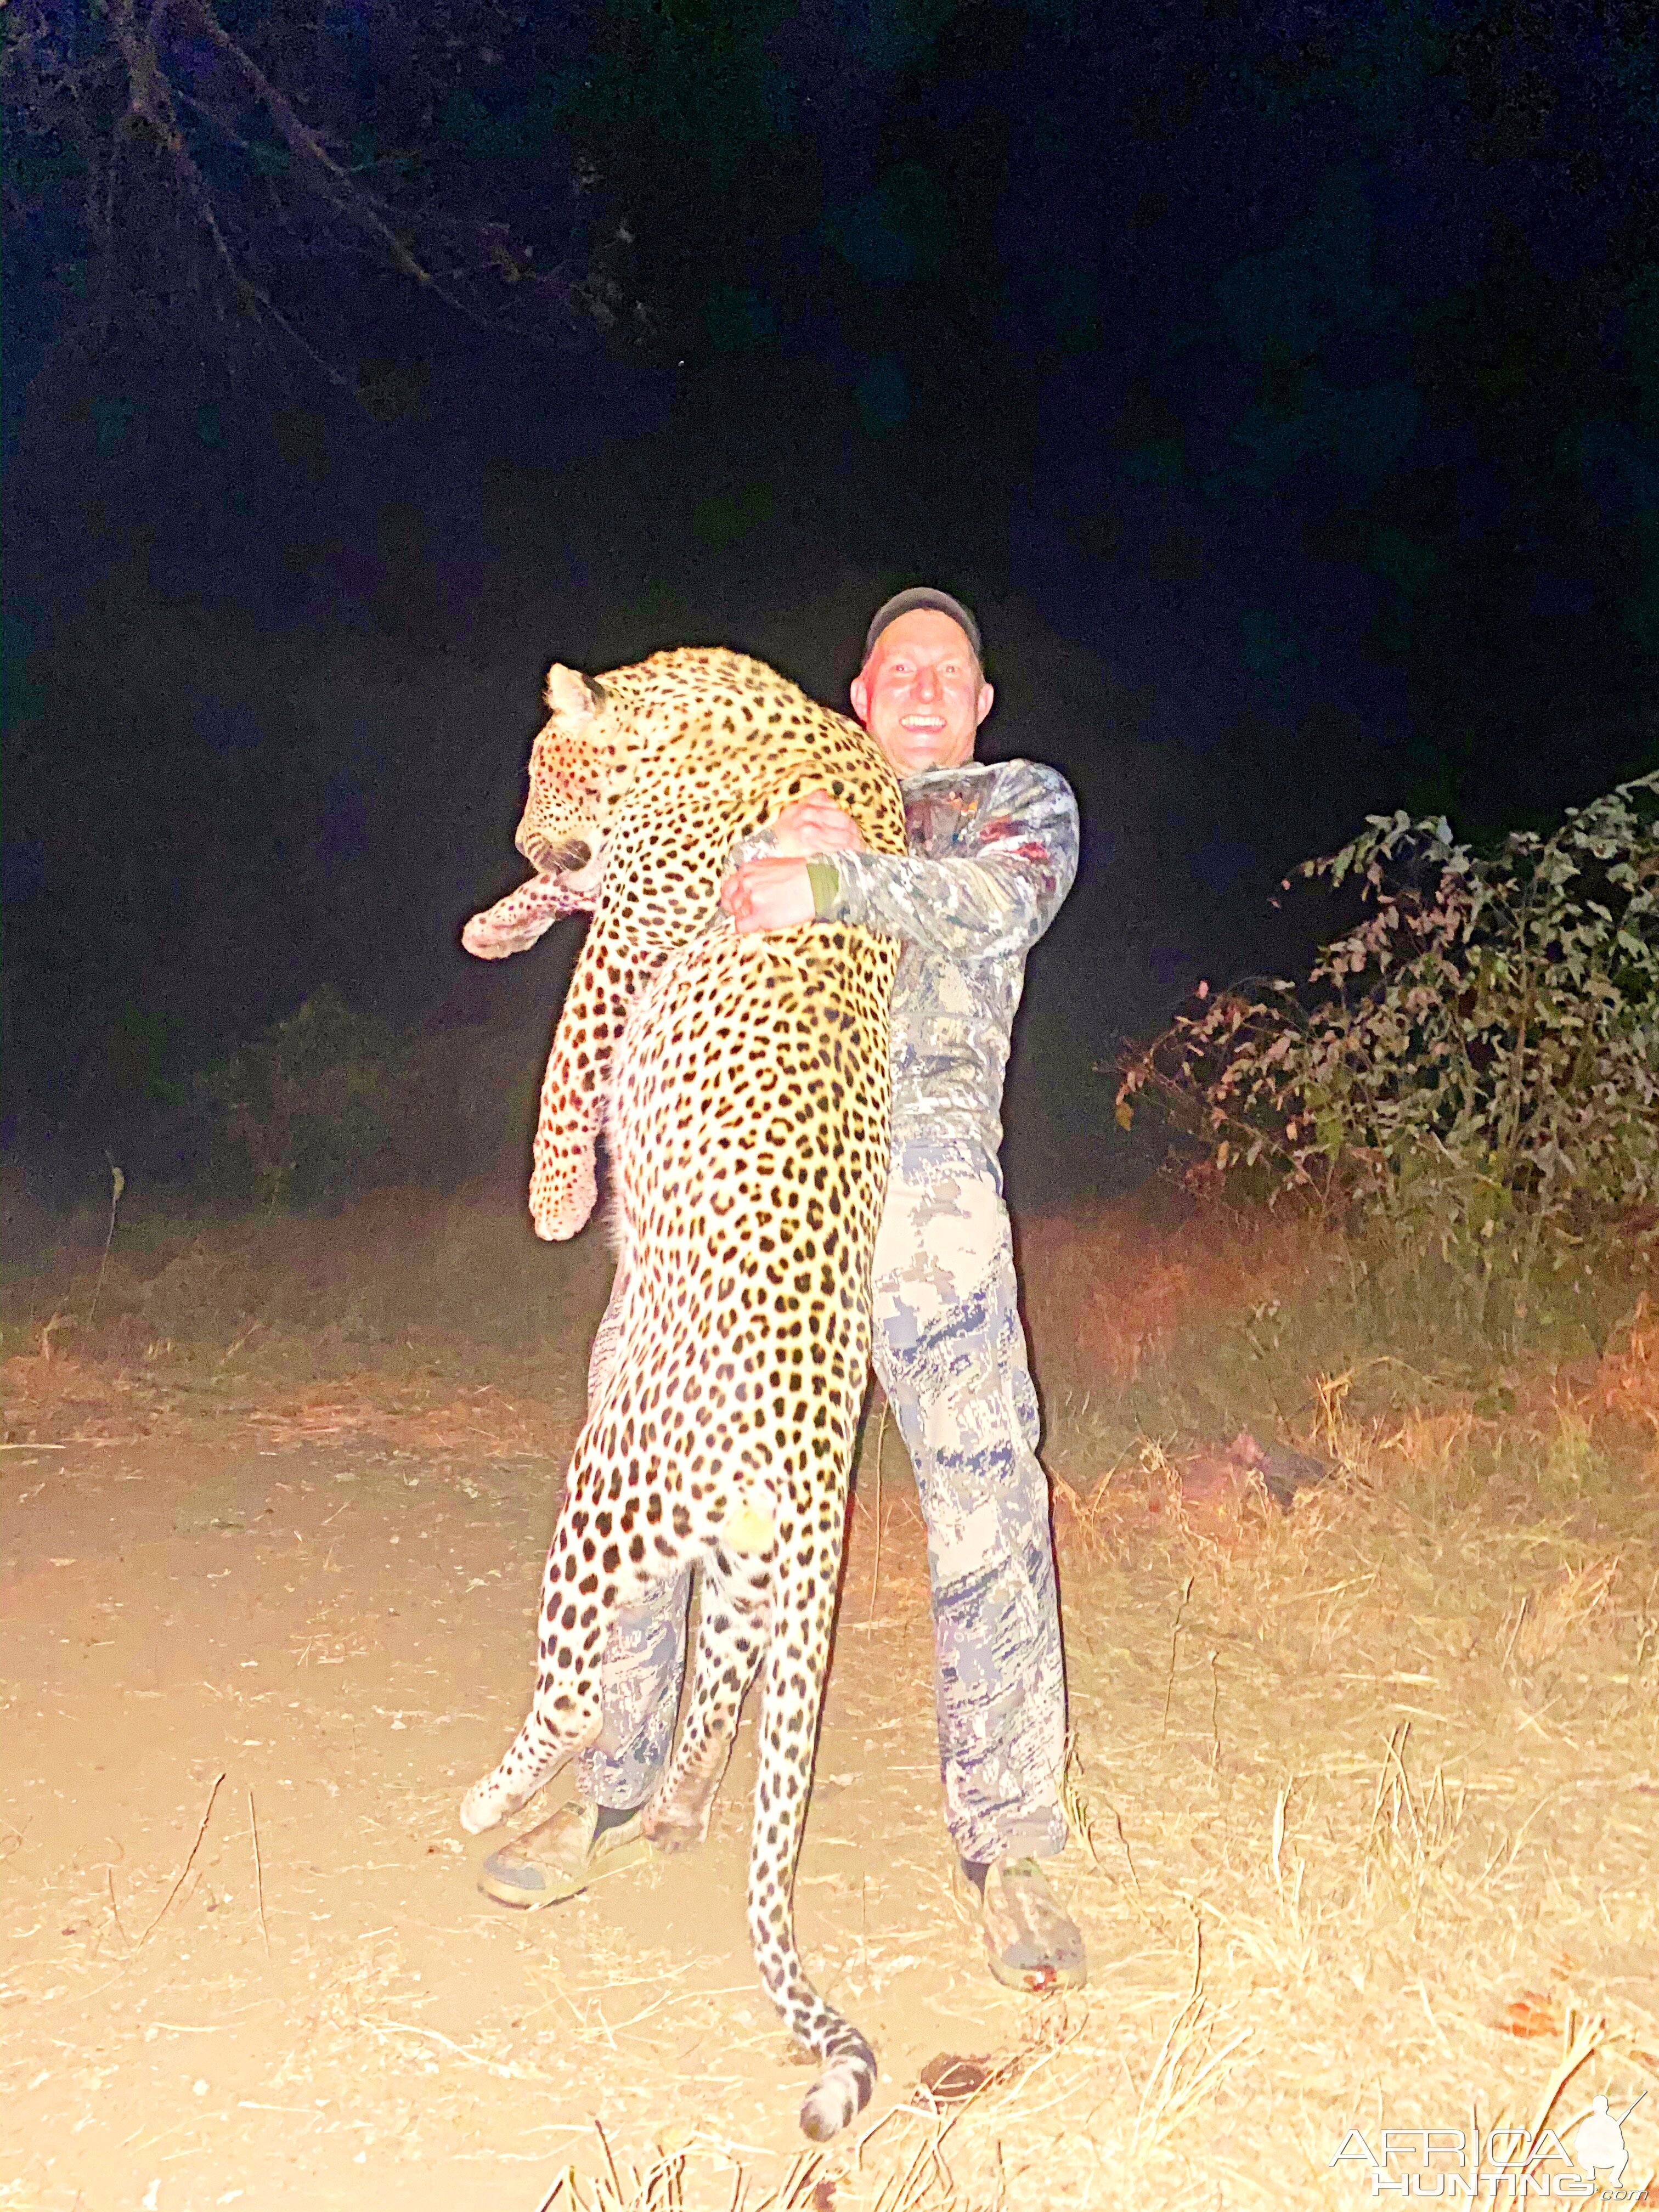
{"x": 1281, "y": 384}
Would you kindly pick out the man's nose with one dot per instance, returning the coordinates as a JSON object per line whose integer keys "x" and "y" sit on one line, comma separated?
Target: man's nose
{"x": 926, "y": 683}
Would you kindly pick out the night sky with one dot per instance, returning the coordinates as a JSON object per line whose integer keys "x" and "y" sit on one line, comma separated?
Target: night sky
{"x": 1280, "y": 386}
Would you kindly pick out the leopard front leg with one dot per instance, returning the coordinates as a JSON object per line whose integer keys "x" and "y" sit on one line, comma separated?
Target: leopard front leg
{"x": 731, "y": 1631}
{"x": 563, "y": 1187}
{"x": 563, "y": 1174}
{"x": 514, "y": 923}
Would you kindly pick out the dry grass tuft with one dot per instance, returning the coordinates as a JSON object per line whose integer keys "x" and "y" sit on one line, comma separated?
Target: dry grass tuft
{"x": 1108, "y": 1293}
{"x": 1626, "y": 1384}
{"x": 1188, "y": 2066}
{"x": 1575, "y": 1597}
{"x": 1412, "y": 1828}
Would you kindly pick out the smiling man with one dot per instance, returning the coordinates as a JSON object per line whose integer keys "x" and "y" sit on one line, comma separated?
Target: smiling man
{"x": 993, "y": 851}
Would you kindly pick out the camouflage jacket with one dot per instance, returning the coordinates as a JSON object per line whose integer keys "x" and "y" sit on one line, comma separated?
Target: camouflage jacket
{"x": 993, "y": 848}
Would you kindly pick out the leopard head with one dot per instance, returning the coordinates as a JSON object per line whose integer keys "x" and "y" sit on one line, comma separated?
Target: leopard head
{"x": 580, "y": 767}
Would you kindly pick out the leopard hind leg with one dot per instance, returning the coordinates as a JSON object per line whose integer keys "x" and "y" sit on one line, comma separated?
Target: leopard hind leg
{"x": 590, "y": 1577}
{"x": 731, "y": 1630}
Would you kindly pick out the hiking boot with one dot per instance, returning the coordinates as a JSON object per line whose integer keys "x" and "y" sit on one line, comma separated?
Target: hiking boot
{"x": 562, "y": 1855}
{"x": 1030, "y": 1942}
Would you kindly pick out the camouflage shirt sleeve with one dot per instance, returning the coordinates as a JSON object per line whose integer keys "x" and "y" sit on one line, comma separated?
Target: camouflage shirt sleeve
{"x": 995, "y": 895}
{"x": 758, "y": 845}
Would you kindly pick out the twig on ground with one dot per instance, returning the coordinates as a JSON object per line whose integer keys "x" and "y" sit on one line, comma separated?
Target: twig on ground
{"x": 115, "y": 1910}
{"x": 1073, "y": 1800}
{"x": 117, "y": 1183}
{"x": 1175, "y": 1632}
{"x": 387, "y": 2028}
{"x": 207, "y": 1811}
{"x": 1128, "y": 1855}
{"x": 1215, "y": 1713}
{"x": 258, "y": 1871}
{"x": 1525, "y": 1601}
{"x": 1280, "y": 1802}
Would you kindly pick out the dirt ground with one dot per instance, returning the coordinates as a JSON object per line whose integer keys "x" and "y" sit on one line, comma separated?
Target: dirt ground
{"x": 1366, "y": 1795}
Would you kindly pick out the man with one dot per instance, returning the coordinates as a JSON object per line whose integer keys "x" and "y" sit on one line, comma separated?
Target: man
{"x": 993, "y": 853}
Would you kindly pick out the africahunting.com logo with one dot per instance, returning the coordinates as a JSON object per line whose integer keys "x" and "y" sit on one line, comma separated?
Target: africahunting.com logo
{"x": 1503, "y": 2164}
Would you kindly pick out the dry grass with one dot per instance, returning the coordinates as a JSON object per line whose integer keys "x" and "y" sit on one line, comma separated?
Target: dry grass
{"x": 253, "y": 1292}
{"x": 1383, "y": 1768}
{"x": 1111, "y": 1291}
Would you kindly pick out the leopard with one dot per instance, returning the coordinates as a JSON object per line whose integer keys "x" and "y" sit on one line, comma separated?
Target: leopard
{"x": 742, "y": 1084}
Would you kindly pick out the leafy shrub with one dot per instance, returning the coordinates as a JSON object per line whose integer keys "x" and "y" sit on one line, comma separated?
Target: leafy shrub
{"x": 308, "y": 1104}
{"x": 330, "y": 1104}
{"x": 1473, "y": 1067}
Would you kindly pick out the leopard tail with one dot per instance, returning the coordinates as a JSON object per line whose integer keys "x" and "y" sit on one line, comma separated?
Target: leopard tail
{"x": 794, "y": 1689}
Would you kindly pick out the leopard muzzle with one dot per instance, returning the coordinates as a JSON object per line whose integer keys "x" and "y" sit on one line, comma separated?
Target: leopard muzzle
{"x": 564, "y": 859}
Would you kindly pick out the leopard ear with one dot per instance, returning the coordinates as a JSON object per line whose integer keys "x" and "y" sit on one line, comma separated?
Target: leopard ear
{"x": 570, "y": 695}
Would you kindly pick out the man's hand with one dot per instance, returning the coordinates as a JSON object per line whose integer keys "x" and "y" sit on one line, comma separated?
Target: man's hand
{"x": 777, "y": 894}
{"x": 816, "y": 825}
{"x": 768, "y": 895}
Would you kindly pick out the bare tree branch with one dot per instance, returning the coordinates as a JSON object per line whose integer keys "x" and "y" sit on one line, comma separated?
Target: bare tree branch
{"x": 348, "y": 196}
{"x": 145, "y": 119}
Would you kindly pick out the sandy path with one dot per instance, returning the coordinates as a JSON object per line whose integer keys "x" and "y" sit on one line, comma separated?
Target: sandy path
{"x": 343, "y": 1635}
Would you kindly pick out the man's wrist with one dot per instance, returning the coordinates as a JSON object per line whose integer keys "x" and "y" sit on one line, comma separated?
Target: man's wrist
{"x": 826, "y": 880}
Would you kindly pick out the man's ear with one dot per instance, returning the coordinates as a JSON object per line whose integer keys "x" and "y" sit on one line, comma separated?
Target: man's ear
{"x": 860, "y": 696}
{"x": 986, "y": 695}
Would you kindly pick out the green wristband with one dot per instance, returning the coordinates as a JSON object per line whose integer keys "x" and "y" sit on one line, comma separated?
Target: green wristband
{"x": 825, "y": 880}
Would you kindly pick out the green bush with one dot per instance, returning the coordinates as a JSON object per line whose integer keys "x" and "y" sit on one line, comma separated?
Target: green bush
{"x": 309, "y": 1104}
{"x": 1473, "y": 1068}
{"x": 330, "y": 1104}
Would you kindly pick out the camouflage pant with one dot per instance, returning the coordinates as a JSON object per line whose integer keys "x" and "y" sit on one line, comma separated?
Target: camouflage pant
{"x": 951, "y": 1353}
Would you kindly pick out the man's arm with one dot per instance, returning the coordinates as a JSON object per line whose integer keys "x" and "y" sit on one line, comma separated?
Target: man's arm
{"x": 996, "y": 900}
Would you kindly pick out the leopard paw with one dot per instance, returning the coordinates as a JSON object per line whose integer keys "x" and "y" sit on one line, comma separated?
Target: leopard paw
{"x": 485, "y": 939}
{"x": 678, "y": 1827}
{"x": 486, "y": 1805}
{"x": 561, "y": 1199}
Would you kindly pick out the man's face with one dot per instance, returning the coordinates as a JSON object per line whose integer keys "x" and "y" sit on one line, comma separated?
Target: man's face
{"x": 921, "y": 694}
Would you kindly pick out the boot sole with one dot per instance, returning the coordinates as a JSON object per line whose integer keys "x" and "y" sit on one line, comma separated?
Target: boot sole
{"x": 561, "y": 1888}
{"x": 1029, "y": 1981}
{"x": 1035, "y": 1981}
